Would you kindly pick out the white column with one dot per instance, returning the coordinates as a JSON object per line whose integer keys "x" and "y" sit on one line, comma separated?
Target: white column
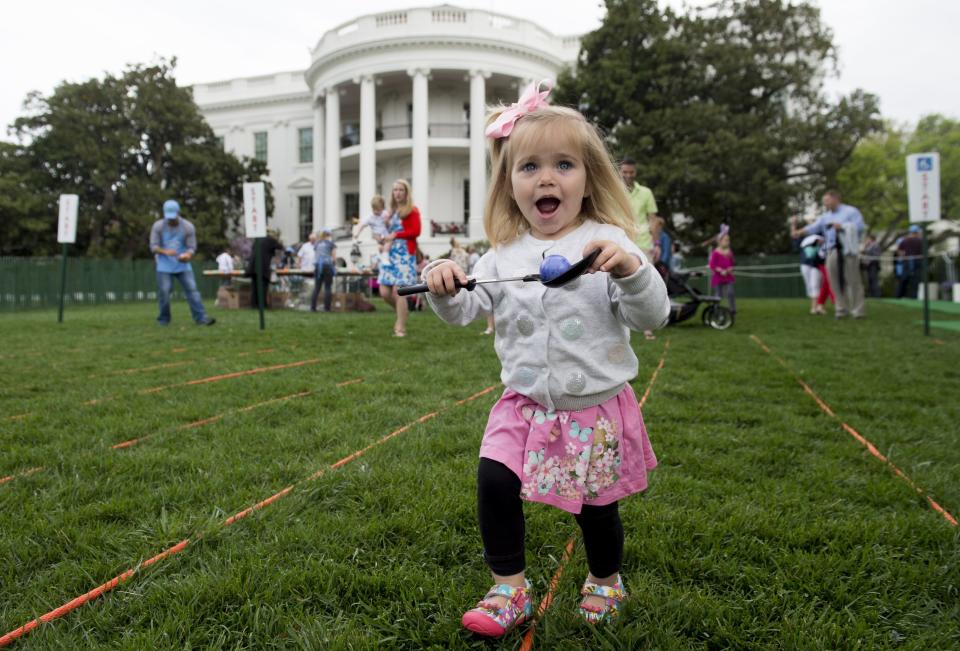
{"x": 318, "y": 171}
{"x": 332, "y": 213}
{"x": 420, "y": 157}
{"x": 368, "y": 140}
{"x": 478, "y": 153}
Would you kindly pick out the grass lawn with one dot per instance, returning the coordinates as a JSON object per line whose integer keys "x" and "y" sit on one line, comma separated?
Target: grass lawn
{"x": 766, "y": 526}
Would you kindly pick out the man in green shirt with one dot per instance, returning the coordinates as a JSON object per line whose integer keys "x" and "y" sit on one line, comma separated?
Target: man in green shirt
{"x": 643, "y": 204}
{"x": 644, "y": 209}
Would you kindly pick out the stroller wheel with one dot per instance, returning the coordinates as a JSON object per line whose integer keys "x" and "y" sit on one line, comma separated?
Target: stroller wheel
{"x": 718, "y": 317}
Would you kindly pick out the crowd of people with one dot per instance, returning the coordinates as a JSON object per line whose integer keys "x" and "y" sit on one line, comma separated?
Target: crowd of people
{"x": 839, "y": 262}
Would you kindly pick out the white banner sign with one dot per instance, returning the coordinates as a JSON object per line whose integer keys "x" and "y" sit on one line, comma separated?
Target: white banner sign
{"x": 67, "y": 223}
{"x": 923, "y": 186}
{"x": 254, "y": 210}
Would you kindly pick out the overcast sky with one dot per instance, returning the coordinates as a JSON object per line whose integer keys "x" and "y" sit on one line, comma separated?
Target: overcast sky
{"x": 904, "y": 51}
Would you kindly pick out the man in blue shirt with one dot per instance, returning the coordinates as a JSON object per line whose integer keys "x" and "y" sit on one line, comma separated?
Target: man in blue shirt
{"x": 842, "y": 228}
{"x": 173, "y": 241}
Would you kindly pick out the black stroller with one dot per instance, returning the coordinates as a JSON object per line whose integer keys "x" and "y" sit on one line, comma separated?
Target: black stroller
{"x": 685, "y": 300}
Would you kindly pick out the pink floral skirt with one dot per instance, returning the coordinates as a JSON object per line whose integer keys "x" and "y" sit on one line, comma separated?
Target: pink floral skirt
{"x": 570, "y": 458}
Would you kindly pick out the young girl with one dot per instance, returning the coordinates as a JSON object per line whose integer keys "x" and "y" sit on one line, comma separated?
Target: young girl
{"x": 567, "y": 430}
{"x": 721, "y": 264}
{"x": 377, "y": 220}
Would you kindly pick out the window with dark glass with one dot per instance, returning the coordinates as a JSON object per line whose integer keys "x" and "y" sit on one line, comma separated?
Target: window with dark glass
{"x": 260, "y": 146}
{"x": 305, "y": 217}
{"x": 305, "y": 139}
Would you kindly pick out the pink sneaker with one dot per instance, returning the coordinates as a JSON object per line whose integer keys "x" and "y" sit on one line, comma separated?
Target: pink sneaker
{"x": 613, "y": 595}
{"x": 489, "y": 620}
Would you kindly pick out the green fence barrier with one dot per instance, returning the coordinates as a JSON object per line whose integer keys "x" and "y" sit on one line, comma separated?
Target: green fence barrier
{"x": 779, "y": 279}
{"x": 35, "y": 282}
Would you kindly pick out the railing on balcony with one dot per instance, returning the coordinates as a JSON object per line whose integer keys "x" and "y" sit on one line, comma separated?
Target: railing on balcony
{"x": 449, "y": 130}
{"x": 395, "y": 132}
{"x": 405, "y": 131}
{"x": 449, "y": 228}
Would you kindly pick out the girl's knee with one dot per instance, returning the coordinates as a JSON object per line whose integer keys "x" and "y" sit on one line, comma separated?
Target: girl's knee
{"x": 494, "y": 478}
{"x": 594, "y": 515}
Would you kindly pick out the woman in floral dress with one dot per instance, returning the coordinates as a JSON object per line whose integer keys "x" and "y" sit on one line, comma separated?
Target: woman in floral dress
{"x": 399, "y": 268}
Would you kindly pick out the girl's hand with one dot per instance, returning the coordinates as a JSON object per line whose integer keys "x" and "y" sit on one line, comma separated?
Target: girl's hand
{"x": 612, "y": 259}
{"x": 389, "y": 238}
{"x": 440, "y": 278}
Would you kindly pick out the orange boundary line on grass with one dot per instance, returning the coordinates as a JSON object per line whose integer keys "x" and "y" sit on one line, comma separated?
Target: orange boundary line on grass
{"x": 548, "y": 598}
{"x": 212, "y": 419}
{"x": 157, "y": 367}
{"x": 214, "y": 378}
{"x": 141, "y": 369}
{"x": 860, "y": 438}
{"x": 568, "y": 551}
{"x": 75, "y": 603}
{"x": 18, "y": 475}
{"x": 230, "y": 376}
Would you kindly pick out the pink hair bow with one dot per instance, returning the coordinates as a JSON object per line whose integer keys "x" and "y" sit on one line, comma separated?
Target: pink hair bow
{"x": 531, "y": 99}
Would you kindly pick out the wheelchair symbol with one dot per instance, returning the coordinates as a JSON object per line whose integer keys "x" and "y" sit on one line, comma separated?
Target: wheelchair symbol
{"x": 925, "y": 164}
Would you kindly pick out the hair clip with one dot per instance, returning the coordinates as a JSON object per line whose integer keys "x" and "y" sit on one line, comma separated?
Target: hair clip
{"x": 530, "y": 100}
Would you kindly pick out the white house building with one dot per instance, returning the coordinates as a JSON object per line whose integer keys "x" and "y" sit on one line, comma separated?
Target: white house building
{"x": 401, "y": 94}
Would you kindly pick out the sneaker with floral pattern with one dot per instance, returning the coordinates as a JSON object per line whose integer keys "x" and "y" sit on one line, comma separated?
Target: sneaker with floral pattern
{"x": 613, "y": 596}
{"x": 492, "y": 620}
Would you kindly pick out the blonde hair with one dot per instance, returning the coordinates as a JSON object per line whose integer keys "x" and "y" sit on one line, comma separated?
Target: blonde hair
{"x": 605, "y": 199}
{"x": 377, "y": 200}
{"x": 402, "y": 209}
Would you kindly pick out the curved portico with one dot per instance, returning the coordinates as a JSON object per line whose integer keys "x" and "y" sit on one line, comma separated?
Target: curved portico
{"x": 400, "y": 94}
{"x": 404, "y": 95}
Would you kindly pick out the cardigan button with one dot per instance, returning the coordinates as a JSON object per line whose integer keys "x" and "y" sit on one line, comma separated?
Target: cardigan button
{"x": 525, "y": 325}
{"x": 571, "y": 329}
{"x": 576, "y": 382}
{"x": 526, "y": 376}
{"x": 617, "y": 354}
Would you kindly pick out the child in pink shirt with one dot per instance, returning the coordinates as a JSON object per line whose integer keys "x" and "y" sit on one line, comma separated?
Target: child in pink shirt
{"x": 721, "y": 264}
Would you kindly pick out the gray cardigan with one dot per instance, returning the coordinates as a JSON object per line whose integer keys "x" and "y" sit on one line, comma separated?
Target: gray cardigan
{"x": 566, "y": 348}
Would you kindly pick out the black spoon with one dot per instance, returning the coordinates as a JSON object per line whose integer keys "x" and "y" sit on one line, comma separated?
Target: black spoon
{"x": 570, "y": 274}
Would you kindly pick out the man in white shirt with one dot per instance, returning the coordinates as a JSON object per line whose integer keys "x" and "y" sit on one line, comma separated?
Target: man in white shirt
{"x": 225, "y": 262}
{"x": 307, "y": 255}
{"x": 225, "y": 266}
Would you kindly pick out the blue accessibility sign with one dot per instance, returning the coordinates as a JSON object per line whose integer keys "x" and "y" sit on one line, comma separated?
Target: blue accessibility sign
{"x": 925, "y": 164}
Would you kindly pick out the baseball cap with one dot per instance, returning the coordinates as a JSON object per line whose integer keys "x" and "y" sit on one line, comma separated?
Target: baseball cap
{"x": 914, "y": 228}
{"x": 326, "y": 231}
{"x": 170, "y": 209}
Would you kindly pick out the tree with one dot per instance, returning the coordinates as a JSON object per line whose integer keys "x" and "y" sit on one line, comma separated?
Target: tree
{"x": 874, "y": 179}
{"x": 123, "y": 144}
{"x": 25, "y": 227}
{"x": 722, "y": 108}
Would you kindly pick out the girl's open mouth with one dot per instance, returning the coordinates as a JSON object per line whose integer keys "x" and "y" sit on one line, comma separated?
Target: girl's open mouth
{"x": 547, "y": 206}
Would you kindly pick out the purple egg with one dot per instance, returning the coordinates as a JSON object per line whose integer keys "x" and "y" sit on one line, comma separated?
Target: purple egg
{"x": 552, "y": 267}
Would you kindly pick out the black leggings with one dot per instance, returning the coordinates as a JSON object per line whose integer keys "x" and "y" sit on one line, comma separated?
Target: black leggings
{"x": 500, "y": 511}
